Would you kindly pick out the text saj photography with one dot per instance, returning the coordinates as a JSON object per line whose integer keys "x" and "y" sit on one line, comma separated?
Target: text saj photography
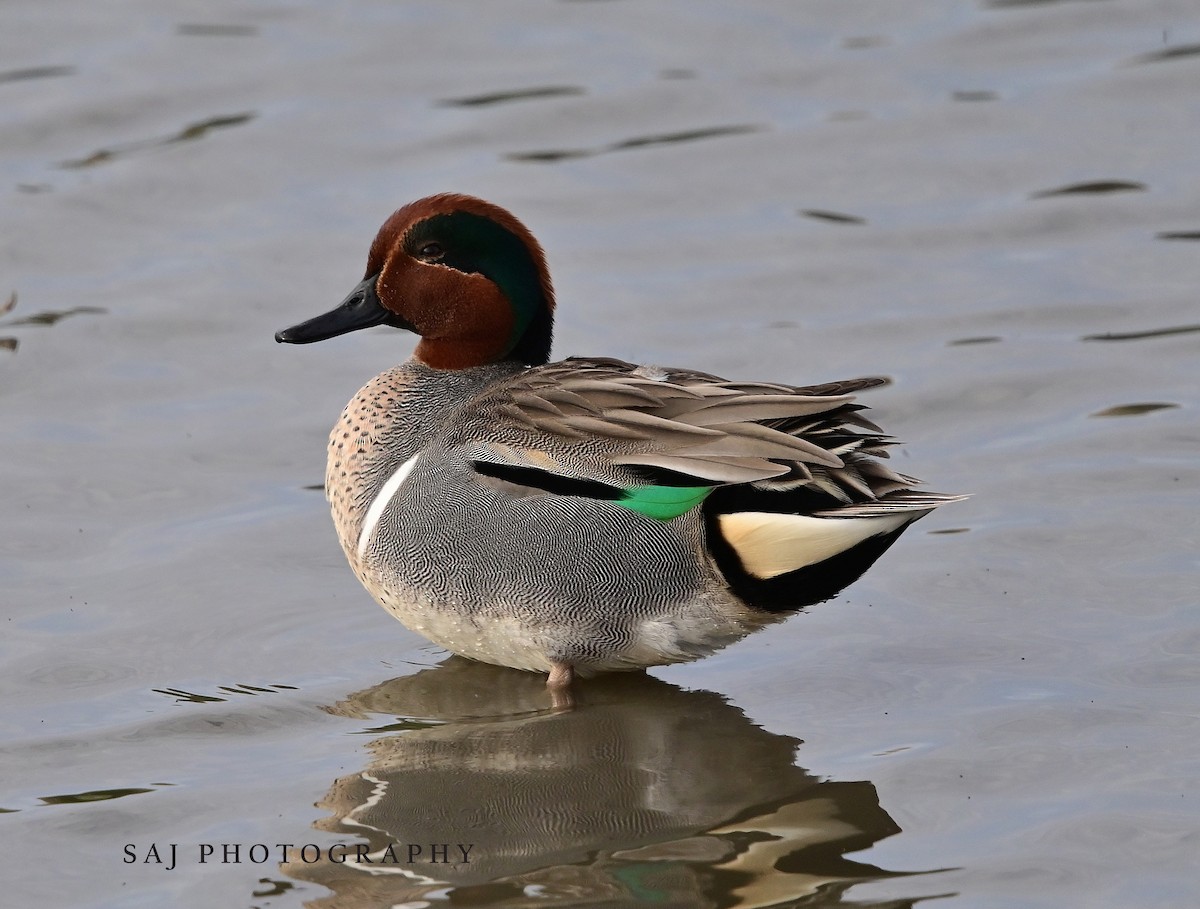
{"x": 169, "y": 856}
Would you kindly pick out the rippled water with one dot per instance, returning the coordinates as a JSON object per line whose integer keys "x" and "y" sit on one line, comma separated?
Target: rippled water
{"x": 996, "y": 204}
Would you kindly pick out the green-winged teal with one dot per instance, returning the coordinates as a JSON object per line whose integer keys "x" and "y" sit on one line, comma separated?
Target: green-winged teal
{"x": 586, "y": 515}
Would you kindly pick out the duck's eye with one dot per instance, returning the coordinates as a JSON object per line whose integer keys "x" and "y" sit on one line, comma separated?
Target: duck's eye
{"x": 432, "y": 251}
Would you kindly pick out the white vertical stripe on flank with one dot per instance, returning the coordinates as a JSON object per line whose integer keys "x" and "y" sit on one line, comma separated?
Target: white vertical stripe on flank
{"x": 386, "y": 493}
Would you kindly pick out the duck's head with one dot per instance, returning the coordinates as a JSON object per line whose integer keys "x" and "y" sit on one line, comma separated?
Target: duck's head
{"x": 462, "y": 273}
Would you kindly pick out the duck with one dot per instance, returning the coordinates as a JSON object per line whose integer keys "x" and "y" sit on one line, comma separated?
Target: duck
{"x": 587, "y": 515}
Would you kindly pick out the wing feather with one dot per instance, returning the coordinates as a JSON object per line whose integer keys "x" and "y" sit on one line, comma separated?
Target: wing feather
{"x": 608, "y": 421}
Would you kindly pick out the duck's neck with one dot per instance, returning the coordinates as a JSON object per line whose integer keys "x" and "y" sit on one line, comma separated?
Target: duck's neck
{"x": 478, "y": 347}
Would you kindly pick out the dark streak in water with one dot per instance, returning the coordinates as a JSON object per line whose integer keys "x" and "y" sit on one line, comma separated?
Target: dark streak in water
{"x": 1132, "y": 410}
{"x": 1140, "y": 335}
{"x": 526, "y": 94}
{"x": 1093, "y": 187}
{"x": 1171, "y": 53}
{"x": 36, "y": 72}
{"x": 981, "y": 95}
{"x": 188, "y": 133}
{"x": 691, "y": 135}
{"x": 835, "y": 216}
{"x": 1178, "y": 235}
{"x": 247, "y": 688}
{"x": 548, "y": 157}
{"x": 196, "y": 130}
{"x": 50, "y": 316}
{"x": 95, "y": 795}
{"x": 6, "y": 307}
{"x": 240, "y": 688}
{"x": 402, "y": 724}
{"x": 950, "y": 530}
{"x": 199, "y": 30}
{"x": 180, "y": 695}
{"x": 981, "y": 339}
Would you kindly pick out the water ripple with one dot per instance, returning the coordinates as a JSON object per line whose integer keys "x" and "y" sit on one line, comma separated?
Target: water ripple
{"x": 1092, "y": 187}
{"x": 689, "y": 135}
{"x": 525, "y": 94}
{"x": 1170, "y": 53}
{"x": 836, "y": 217}
{"x": 188, "y": 133}
{"x": 36, "y": 72}
{"x": 1132, "y": 410}
{"x": 1142, "y": 335}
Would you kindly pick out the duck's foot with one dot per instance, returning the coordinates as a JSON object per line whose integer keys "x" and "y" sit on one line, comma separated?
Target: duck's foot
{"x": 559, "y": 685}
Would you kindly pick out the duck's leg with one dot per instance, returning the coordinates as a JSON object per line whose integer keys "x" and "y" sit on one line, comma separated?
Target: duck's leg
{"x": 559, "y": 685}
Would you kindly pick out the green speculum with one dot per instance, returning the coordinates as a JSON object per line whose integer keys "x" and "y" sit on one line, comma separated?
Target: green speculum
{"x": 664, "y": 502}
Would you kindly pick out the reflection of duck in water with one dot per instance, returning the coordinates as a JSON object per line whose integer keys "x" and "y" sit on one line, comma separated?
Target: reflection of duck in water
{"x": 646, "y": 792}
{"x": 587, "y": 515}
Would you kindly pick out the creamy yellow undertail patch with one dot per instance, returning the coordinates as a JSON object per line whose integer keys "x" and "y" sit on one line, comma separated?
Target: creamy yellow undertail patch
{"x": 771, "y": 544}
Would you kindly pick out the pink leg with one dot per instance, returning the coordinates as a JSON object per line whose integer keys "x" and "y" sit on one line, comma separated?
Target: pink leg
{"x": 559, "y": 685}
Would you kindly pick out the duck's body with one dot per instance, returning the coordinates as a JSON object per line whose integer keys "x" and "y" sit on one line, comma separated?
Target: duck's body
{"x": 584, "y": 515}
{"x": 499, "y": 571}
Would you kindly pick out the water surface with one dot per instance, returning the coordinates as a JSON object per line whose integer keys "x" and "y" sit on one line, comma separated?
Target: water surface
{"x": 995, "y": 204}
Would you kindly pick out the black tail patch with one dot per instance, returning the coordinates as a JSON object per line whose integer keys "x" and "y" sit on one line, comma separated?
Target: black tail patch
{"x": 803, "y": 587}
